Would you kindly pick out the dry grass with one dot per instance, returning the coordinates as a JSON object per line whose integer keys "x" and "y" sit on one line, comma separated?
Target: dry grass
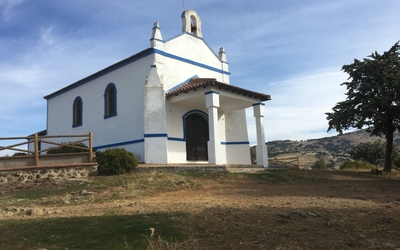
{"x": 281, "y": 209}
{"x": 156, "y": 242}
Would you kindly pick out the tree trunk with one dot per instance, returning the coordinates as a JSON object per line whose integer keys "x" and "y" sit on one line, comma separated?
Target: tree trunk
{"x": 389, "y": 150}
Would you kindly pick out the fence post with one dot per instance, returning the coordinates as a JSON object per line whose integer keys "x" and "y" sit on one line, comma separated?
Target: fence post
{"x": 90, "y": 146}
{"x": 36, "y": 143}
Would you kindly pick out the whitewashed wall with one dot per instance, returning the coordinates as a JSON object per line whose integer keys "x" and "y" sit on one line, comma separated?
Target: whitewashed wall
{"x": 177, "y": 60}
{"x": 175, "y": 71}
{"x": 236, "y": 135}
{"x": 126, "y": 126}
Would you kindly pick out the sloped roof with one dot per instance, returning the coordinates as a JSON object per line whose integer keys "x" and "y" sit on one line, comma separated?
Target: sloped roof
{"x": 102, "y": 72}
{"x": 198, "y": 83}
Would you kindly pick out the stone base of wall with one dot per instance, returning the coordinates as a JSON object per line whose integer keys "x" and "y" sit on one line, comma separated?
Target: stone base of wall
{"x": 42, "y": 173}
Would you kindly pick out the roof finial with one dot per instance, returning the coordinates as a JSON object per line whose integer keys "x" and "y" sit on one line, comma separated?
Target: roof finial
{"x": 156, "y": 38}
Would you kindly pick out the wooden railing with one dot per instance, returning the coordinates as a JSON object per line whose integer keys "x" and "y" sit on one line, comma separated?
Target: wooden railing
{"x": 37, "y": 140}
{"x": 290, "y": 162}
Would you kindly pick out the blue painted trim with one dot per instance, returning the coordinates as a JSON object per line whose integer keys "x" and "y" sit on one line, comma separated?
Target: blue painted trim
{"x": 119, "y": 144}
{"x": 78, "y": 98}
{"x": 109, "y": 116}
{"x": 127, "y": 61}
{"x": 102, "y": 72}
{"x": 182, "y": 83}
{"x": 208, "y": 46}
{"x": 110, "y": 85}
{"x": 176, "y": 139}
{"x": 260, "y": 103}
{"x": 235, "y": 143}
{"x": 156, "y": 39}
{"x": 155, "y": 135}
{"x": 211, "y": 92}
{"x": 163, "y": 53}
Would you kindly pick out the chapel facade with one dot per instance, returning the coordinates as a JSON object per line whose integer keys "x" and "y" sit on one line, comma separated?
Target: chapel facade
{"x": 171, "y": 103}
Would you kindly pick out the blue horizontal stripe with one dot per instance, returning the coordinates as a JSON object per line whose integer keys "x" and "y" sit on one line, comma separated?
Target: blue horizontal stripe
{"x": 119, "y": 144}
{"x": 260, "y": 103}
{"x": 155, "y": 135}
{"x": 155, "y": 39}
{"x": 176, "y": 139}
{"x": 163, "y": 53}
{"x": 211, "y": 92}
{"x": 235, "y": 143}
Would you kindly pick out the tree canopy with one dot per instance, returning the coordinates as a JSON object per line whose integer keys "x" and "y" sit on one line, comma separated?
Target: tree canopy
{"x": 373, "y": 98}
{"x": 372, "y": 152}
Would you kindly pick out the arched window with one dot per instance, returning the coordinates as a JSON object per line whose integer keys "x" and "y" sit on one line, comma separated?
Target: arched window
{"x": 77, "y": 112}
{"x": 110, "y": 101}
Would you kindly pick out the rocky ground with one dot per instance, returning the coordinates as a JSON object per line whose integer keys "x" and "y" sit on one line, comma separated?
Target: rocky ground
{"x": 297, "y": 210}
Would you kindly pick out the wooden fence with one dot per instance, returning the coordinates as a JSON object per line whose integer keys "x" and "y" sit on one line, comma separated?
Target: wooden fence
{"x": 290, "y": 162}
{"x": 37, "y": 141}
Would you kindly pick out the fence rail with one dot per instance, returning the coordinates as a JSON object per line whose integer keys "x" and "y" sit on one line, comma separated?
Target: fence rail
{"x": 290, "y": 162}
{"x": 37, "y": 141}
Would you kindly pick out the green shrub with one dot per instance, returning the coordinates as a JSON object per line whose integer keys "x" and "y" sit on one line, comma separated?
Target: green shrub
{"x": 320, "y": 164}
{"x": 67, "y": 149}
{"x": 115, "y": 161}
{"x": 356, "y": 165}
{"x": 372, "y": 152}
{"x": 19, "y": 154}
{"x": 396, "y": 162}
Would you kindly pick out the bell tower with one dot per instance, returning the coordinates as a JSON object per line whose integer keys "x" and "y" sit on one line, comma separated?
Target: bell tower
{"x": 191, "y": 23}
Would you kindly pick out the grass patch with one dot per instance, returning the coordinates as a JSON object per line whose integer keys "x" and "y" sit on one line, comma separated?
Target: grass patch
{"x": 211, "y": 175}
{"x": 286, "y": 176}
{"x": 132, "y": 185}
{"x": 356, "y": 165}
{"x": 157, "y": 243}
{"x": 36, "y": 193}
{"x": 103, "y": 232}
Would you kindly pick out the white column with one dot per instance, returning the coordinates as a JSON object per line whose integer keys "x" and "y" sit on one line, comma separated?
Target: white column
{"x": 214, "y": 144}
{"x": 261, "y": 148}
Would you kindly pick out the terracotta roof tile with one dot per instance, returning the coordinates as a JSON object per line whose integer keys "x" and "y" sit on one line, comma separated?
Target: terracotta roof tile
{"x": 197, "y": 83}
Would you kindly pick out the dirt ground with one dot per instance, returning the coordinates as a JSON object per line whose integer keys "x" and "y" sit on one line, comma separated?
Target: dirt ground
{"x": 310, "y": 210}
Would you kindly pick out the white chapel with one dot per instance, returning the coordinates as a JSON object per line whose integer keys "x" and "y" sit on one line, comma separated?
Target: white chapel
{"x": 171, "y": 103}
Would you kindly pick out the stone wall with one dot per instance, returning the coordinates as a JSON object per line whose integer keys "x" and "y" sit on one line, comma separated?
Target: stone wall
{"x": 44, "y": 160}
{"x": 42, "y": 173}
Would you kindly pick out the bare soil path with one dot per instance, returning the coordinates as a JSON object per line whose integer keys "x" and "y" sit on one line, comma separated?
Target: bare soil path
{"x": 291, "y": 210}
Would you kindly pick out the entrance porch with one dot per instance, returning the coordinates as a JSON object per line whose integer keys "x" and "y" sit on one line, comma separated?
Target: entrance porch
{"x": 222, "y": 107}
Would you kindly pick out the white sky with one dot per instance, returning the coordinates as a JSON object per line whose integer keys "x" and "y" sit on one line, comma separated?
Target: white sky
{"x": 290, "y": 49}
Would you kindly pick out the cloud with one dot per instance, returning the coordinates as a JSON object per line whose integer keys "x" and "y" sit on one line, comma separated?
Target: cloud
{"x": 292, "y": 50}
{"x": 7, "y": 7}
{"x": 298, "y": 106}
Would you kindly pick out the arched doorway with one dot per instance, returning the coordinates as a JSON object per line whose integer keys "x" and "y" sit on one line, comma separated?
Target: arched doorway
{"x": 197, "y": 136}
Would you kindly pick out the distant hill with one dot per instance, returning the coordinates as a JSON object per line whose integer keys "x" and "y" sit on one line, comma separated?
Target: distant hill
{"x": 333, "y": 150}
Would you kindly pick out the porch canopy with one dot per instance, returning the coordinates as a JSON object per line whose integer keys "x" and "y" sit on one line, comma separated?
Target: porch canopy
{"x": 220, "y": 97}
{"x": 230, "y": 97}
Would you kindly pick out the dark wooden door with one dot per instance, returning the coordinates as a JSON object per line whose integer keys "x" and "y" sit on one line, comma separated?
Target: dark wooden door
{"x": 197, "y": 137}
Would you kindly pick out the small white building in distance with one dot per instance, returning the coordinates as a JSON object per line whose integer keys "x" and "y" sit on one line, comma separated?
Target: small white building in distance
{"x": 168, "y": 104}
